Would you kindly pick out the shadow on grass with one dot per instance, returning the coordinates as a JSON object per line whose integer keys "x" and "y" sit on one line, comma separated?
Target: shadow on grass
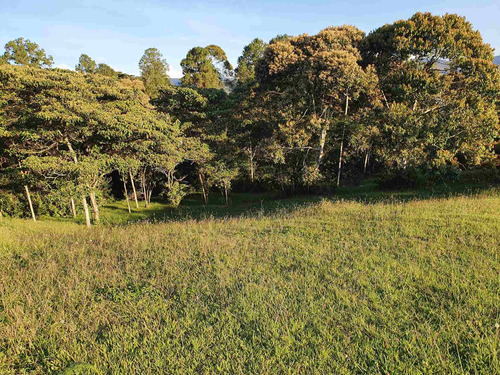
{"x": 251, "y": 205}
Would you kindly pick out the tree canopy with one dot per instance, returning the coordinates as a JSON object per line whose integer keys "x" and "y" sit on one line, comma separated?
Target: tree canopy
{"x": 154, "y": 70}
{"x": 247, "y": 62}
{"x": 206, "y": 67}
{"x": 86, "y": 64}
{"x": 25, "y": 52}
{"x": 440, "y": 87}
{"x": 415, "y": 100}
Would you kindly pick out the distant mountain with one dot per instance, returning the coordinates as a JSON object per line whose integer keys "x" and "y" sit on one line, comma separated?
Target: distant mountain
{"x": 497, "y": 60}
{"x": 175, "y": 81}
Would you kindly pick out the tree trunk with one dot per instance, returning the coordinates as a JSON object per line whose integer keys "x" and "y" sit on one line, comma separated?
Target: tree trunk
{"x": 95, "y": 207}
{"x": 252, "y": 168}
{"x": 30, "y": 203}
{"x": 144, "y": 192}
{"x": 84, "y": 200}
{"x": 1, "y": 215}
{"x": 133, "y": 188}
{"x": 342, "y": 141}
{"x": 205, "y": 197}
{"x": 340, "y": 161}
{"x": 73, "y": 209}
{"x": 226, "y": 195}
{"x": 126, "y": 194}
{"x": 322, "y": 140}
{"x": 86, "y": 211}
{"x": 367, "y": 157}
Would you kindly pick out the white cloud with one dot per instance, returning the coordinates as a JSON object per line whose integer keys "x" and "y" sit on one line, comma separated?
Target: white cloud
{"x": 175, "y": 73}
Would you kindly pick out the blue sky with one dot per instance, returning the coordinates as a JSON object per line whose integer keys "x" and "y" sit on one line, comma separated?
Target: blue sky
{"x": 117, "y": 32}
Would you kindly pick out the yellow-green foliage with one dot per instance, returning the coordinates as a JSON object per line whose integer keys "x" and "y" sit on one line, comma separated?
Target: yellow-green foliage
{"x": 336, "y": 287}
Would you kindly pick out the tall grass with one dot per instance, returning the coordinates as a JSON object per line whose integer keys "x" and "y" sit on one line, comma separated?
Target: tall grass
{"x": 333, "y": 287}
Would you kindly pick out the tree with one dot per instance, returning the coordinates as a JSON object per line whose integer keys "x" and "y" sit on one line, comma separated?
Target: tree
{"x": 86, "y": 64}
{"x": 85, "y": 130}
{"x": 25, "y": 52}
{"x": 154, "y": 70}
{"x": 206, "y": 67}
{"x": 252, "y": 53}
{"x": 106, "y": 70}
{"x": 314, "y": 80}
{"x": 440, "y": 88}
{"x": 186, "y": 104}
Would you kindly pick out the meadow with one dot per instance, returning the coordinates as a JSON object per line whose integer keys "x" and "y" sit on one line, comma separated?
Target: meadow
{"x": 359, "y": 282}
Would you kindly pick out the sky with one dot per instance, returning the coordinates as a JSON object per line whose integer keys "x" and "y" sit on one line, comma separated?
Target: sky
{"x": 117, "y": 32}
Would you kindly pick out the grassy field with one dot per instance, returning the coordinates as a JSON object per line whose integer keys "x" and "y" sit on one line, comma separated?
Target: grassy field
{"x": 365, "y": 282}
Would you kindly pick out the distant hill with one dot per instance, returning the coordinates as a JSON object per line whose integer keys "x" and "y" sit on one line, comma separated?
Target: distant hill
{"x": 175, "y": 81}
{"x": 497, "y": 60}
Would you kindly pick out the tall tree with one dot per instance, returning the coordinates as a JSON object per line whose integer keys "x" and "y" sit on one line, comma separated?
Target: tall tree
{"x": 86, "y": 64}
{"x": 25, "y": 52}
{"x": 314, "y": 80}
{"x": 106, "y": 70}
{"x": 154, "y": 70}
{"x": 252, "y": 53}
{"x": 84, "y": 130}
{"x": 440, "y": 87}
{"x": 206, "y": 67}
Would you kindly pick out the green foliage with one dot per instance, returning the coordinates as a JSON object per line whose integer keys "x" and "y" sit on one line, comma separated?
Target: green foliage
{"x": 71, "y": 139}
{"x": 314, "y": 83}
{"x": 299, "y": 113}
{"x": 247, "y": 62}
{"x": 86, "y": 65}
{"x": 25, "y": 52}
{"x": 106, "y": 70}
{"x": 176, "y": 192}
{"x": 418, "y": 177}
{"x": 206, "y": 67}
{"x": 154, "y": 70}
{"x": 186, "y": 104}
{"x": 441, "y": 89}
{"x": 11, "y": 204}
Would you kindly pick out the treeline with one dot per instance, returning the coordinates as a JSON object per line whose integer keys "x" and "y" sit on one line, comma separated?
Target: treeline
{"x": 416, "y": 100}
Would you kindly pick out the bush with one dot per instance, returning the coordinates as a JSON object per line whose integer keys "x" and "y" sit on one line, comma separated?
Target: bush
{"x": 482, "y": 175}
{"x": 11, "y": 205}
{"x": 417, "y": 177}
{"x": 176, "y": 192}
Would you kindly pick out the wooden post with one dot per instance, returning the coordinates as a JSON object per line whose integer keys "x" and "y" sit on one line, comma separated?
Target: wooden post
{"x": 30, "y": 203}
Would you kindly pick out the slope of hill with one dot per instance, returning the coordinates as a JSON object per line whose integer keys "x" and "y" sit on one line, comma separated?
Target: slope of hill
{"x": 336, "y": 287}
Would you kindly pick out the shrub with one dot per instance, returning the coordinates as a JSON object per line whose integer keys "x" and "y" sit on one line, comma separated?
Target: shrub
{"x": 417, "y": 177}
{"x": 482, "y": 175}
{"x": 10, "y": 204}
{"x": 176, "y": 192}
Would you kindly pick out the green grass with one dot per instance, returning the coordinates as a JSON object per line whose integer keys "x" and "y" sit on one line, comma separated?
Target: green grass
{"x": 364, "y": 282}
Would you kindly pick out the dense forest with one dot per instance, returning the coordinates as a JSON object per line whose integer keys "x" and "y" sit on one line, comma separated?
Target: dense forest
{"x": 414, "y": 102}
